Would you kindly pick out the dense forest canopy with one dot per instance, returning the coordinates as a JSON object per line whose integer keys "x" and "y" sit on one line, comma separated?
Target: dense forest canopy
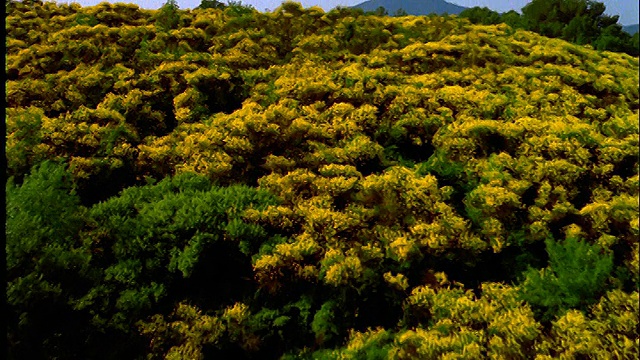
{"x": 299, "y": 184}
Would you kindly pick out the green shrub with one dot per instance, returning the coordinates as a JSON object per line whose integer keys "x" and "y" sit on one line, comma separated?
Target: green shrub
{"x": 575, "y": 278}
{"x": 46, "y": 262}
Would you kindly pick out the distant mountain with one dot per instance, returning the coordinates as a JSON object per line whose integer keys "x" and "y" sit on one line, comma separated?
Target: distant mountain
{"x": 631, "y": 29}
{"x": 413, "y": 7}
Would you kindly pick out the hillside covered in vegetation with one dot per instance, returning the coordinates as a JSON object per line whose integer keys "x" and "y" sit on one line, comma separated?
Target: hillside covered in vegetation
{"x": 300, "y": 184}
{"x": 582, "y": 22}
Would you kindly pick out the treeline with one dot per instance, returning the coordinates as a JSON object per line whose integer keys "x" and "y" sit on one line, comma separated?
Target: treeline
{"x": 581, "y": 22}
{"x": 227, "y": 183}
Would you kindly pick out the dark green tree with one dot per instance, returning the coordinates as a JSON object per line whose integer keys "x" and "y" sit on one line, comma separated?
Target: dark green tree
{"x": 613, "y": 38}
{"x": 549, "y": 17}
{"x": 400, "y": 12}
{"x": 237, "y": 8}
{"x": 380, "y": 11}
{"x": 580, "y": 30}
{"x": 211, "y": 4}
{"x": 481, "y": 15}
{"x": 168, "y": 17}
{"x": 634, "y": 45}
{"x": 577, "y": 21}
{"x": 512, "y": 18}
{"x": 340, "y": 12}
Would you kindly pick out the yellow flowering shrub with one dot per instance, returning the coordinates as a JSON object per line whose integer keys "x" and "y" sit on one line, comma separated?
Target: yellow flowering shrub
{"x": 609, "y": 330}
{"x": 457, "y": 325}
{"x": 408, "y": 155}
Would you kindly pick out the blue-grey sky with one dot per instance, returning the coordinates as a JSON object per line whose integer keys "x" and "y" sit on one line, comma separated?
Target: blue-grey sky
{"x": 626, "y": 9}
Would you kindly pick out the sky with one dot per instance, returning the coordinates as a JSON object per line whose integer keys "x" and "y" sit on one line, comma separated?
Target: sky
{"x": 626, "y": 9}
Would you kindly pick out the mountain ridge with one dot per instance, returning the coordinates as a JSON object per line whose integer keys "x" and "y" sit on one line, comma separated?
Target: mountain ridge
{"x": 631, "y": 29}
{"x": 413, "y": 7}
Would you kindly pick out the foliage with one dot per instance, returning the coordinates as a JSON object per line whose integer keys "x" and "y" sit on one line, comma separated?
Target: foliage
{"x": 167, "y": 17}
{"x": 610, "y": 327}
{"x": 481, "y": 15}
{"x": 578, "y": 21}
{"x": 237, "y": 8}
{"x": 380, "y": 11}
{"x": 47, "y": 264}
{"x": 211, "y": 4}
{"x": 128, "y": 259}
{"x": 310, "y": 184}
{"x": 575, "y": 277}
{"x": 151, "y": 236}
{"x": 400, "y": 12}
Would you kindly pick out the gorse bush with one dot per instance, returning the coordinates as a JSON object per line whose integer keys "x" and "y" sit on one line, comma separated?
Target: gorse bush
{"x": 227, "y": 183}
